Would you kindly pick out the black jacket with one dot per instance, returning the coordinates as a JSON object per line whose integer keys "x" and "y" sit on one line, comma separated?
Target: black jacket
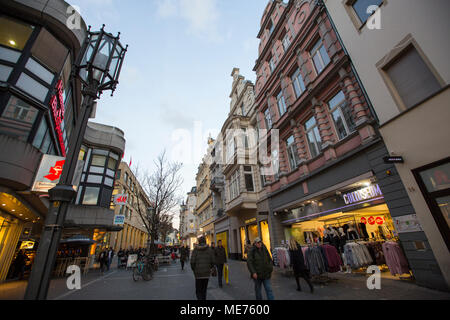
{"x": 260, "y": 262}
{"x": 220, "y": 255}
{"x": 298, "y": 261}
{"x": 202, "y": 261}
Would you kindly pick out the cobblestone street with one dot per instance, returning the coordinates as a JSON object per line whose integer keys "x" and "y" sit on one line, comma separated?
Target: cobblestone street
{"x": 171, "y": 283}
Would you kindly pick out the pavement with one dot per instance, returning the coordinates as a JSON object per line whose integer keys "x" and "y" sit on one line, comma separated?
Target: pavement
{"x": 172, "y": 283}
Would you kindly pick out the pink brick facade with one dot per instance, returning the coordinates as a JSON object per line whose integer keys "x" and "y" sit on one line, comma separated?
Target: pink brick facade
{"x": 305, "y": 25}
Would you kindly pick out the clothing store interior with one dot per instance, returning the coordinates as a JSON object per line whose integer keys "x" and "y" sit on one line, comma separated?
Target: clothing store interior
{"x": 348, "y": 241}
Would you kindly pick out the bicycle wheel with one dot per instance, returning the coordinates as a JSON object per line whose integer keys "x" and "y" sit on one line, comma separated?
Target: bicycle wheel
{"x": 147, "y": 274}
{"x": 136, "y": 274}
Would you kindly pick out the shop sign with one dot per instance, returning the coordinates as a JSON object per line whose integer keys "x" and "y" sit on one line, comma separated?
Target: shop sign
{"x": 408, "y": 223}
{"x": 49, "y": 173}
{"x": 364, "y": 220}
{"x": 371, "y": 221}
{"x": 250, "y": 220}
{"x": 58, "y": 114}
{"x": 362, "y": 194}
{"x": 379, "y": 220}
{"x": 27, "y": 245}
{"x": 119, "y": 220}
{"x": 120, "y": 199}
{"x": 393, "y": 160}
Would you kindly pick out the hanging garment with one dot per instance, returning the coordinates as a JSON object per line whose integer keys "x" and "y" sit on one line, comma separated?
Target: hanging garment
{"x": 334, "y": 260}
{"x": 395, "y": 258}
{"x": 363, "y": 229}
{"x": 315, "y": 262}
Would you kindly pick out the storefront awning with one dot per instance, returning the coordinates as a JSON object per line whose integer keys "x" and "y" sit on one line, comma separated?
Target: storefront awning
{"x": 345, "y": 208}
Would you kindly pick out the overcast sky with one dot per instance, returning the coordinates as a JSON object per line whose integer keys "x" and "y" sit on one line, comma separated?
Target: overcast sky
{"x": 176, "y": 79}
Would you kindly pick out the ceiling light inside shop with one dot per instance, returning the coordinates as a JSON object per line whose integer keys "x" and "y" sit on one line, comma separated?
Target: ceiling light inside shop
{"x": 12, "y": 42}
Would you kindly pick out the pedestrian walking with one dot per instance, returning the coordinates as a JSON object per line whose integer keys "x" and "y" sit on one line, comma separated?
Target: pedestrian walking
{"x": 247, "y": 248}
{"x": 103, "y": 259}
{"x": 202, "y": 262}
{"x": 19, "y": 264}
{"x": 184, "y": 252}
{"x": 260, "y": 265}
{"x": 220, "y": 257}
{"x": 110, "y": 257}
{"x": 298, "y": 264}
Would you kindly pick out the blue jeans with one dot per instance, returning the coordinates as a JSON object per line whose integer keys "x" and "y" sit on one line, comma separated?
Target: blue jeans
{"x": 267, "y": 287}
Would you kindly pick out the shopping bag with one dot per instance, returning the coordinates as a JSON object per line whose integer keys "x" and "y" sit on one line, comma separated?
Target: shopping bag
{"x": 226, "y": 272}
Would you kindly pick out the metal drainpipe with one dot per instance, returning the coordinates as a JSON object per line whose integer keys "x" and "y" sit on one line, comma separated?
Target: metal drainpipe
{"x": 366, "y": 96}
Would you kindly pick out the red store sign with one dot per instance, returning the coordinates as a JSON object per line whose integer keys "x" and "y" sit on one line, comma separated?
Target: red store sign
{"x": 58, "y": 114}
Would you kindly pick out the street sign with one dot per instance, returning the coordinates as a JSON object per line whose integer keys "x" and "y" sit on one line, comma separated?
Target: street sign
{"x": 393, "y": 159}
{"x": 119, "y": 220}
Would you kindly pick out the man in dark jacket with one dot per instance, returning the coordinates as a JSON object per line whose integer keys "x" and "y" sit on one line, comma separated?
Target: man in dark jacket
{"x": 220, "y": 257}
{"x": 202, "y": 261}
{"x": 260, "y": 265}
{"x": 184, "y": 253}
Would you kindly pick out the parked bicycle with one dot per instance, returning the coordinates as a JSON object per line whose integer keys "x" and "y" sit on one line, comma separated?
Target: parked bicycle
{"x": 143, "y": 268}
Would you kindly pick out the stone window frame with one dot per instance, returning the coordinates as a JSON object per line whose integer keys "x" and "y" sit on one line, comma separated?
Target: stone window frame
{"x": 354, "y": 18}
{"x": 399, "y": 49}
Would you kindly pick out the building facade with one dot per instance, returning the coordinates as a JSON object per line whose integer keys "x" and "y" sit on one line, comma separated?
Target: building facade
{"x": 203, "y": 209}
{"x": 327, "y": 173}
{"x": 39, "y": 105}
{"x": 133, "y": 233}
{"x": 188, "y": 220}
{"x": 406, "y": 76}
{"x": 239, "y": 171}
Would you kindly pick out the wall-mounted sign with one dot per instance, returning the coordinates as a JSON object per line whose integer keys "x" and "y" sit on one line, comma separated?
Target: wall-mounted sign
{"x": 119, "y": 220}
{"x": 49, "y": 173}
{"x": 120, "y": 199}
{"x": 408, "y": 223}
{"x": 363, "y": 220}
{"x": 363, "y": 194}
{"x": 393, "y": 159}
{"x": 27, "y": 245}
{"x": 250, "y": 220}
{"x": 58, "y": 114}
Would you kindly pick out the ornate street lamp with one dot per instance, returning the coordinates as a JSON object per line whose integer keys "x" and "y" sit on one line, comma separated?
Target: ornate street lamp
{"x": 98, "y": 68}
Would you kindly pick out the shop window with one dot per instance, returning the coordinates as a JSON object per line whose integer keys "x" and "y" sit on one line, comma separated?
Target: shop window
{"x": 5, "y": 71}
{"x": 411, "y": 78}
{"x": 298, "y": 83}
{"x": 98, "y": 160}
{"x": 291, "y": 148}
{"x": 434, "y": 182}
{"x": 281, "y": 103}
{"x": 286, "y": 42}
{"x": 342, "y": 116}
{"x": 275, "y": 163}
{"x": 248, "y": 178}
{"x": 13, "y": 33}
{"x": 91, "y": 196}
{"x": 268, "y": 118}
{"x": 9, "y": 55}
{"x": 39, "y": 70}
{"x": 93, "y": 178}
{"x": 42, "y": 139}
{"x": 18, "y": 119}
{"x": 32, "y": 87}
{"x": 112, "y": 164}
{"x": 361, "y": 8}
{"x": 313, "y": 135}
{"x": 49, "y": 51}
{"x": 319, "y": 56}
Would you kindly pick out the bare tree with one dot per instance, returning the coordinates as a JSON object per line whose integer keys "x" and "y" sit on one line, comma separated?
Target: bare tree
{"x": 160, "y": 188}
